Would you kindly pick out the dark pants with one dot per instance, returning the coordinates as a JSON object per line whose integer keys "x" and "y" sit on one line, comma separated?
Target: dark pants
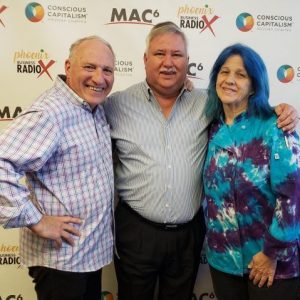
{"x": 149, "y": 254}
{"x": 231, "y": 287}
{"x": 51, "y": 284}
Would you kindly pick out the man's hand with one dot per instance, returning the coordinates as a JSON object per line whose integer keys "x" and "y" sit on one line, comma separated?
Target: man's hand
{"x": 287, "y": 117}
{"x": 57, "y": 228}
{"x": 189, "y": 84}
{"x": 262, "y": 269}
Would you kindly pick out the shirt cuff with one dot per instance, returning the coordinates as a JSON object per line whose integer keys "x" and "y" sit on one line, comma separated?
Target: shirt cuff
{"x": 28, "y": 216}
{"x": 278, "y": 250}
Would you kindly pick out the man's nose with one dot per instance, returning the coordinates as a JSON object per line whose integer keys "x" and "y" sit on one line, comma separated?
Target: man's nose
{"x": 98, "y": 76}
{"x": 168, "y": 60}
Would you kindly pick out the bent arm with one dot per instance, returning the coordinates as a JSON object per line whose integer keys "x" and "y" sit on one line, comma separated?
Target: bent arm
{"x": 24, "y": 147}
{"x": 285, "y": 183}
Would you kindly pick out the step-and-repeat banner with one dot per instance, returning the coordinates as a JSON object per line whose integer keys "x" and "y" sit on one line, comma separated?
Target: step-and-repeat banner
{"x": 35, "y": 38}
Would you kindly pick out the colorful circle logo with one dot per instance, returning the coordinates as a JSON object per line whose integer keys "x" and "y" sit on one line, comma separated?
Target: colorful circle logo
{"x": 244, "y": 22}
{"x": 34, "y": 12}
{"x": 285, "y": 73}
{"x": 106, "y": 296}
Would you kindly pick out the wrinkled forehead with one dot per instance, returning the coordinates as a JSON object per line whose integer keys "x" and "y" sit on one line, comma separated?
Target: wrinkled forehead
{"x": 168, "y": 41}
{"x": 93, "y": 51}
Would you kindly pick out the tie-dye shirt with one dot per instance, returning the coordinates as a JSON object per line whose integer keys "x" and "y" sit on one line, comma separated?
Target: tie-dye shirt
{"x": 252, "y": 194}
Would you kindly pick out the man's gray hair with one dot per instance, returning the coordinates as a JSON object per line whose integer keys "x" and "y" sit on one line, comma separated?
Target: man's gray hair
{"x": 89, "y": 38}
{"x": 162, "y": 28}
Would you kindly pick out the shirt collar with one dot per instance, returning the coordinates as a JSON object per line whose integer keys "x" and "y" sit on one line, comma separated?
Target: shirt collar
{"x": 239, "y": 118}
{"x": 70, "y": 94}
{"x": 149, "y": 93}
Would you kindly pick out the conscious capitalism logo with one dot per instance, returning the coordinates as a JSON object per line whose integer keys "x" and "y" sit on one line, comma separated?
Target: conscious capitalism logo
{"x": 285, "y": 73}
{"x": 266, "y": 22}
{"x": 124, "y": 67}
{"x": 244, "y": 22}
{"x": 34, "y": 12}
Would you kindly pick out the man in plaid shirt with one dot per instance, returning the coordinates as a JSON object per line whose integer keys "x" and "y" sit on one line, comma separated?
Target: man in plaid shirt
{"x": 62, "y": 146}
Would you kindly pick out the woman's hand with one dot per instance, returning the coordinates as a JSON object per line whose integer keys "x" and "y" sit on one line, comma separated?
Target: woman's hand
{"x": 262, "y": 269}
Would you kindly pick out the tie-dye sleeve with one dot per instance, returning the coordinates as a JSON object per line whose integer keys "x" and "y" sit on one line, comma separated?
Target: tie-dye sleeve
{"x": 285, "y": 182}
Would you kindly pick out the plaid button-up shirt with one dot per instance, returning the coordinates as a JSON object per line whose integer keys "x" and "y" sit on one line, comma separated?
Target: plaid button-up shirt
{"x": 63, "y": 150}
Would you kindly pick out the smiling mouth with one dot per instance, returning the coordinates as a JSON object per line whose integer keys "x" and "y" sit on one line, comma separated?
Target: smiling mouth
{"x": 168, "y": 72}
{"x": 227, "y": 90}
{"x": 95, "y": 89}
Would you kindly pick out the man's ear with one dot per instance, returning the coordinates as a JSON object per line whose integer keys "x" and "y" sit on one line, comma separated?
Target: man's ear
{"x": 145, "y": 58}
{"x": 67, "y": 67}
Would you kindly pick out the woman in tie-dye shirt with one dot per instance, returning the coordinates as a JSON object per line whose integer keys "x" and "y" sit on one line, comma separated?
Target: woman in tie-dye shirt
{"x": 252, "y": 185}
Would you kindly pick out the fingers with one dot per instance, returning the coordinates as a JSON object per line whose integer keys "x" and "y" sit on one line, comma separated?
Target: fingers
{"x": 289, "y": 128}
{"x": 257, "y": 278}
{"x": 68, "y": 219}
{"x": 71, "y": 229}
{"x": 189, "y": 85}
{"x": 288, "y": 119}
{"x": 270, "y": 280}
{"x": 57, "y": 228}
{"x": 283, "y": 111}
{"x": 262, "y": 270}
{"x": 57, "y": 243}
{"x": 68, "y": 231}
{"x": 66, "y": 234}
{"x": 261, "y": 279}
{"x": 67, "y": 238}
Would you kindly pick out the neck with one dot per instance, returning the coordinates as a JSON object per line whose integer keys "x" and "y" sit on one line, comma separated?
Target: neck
{"x": 166, "y": 103}
{"x": 232, "y": 112}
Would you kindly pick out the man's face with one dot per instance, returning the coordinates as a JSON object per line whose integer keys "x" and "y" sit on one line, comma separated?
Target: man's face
{"x": 166, "y": 64}
{"x": 90, "y": 71}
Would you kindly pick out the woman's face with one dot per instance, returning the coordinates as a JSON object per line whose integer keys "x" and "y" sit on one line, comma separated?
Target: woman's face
{"x": 234, "y": 85}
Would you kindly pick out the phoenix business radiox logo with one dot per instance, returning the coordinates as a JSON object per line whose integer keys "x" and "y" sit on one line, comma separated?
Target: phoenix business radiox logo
{"x": 244, "y": 22}
{"x": 285, "y": 73}
{"x": 133, "y": 16}
{"x": 33, "y": 62}
{"x": 34, "y": 12}
{"x": 198, "y": 18}
{"x": 2, "y": 9}
{"x": 9, "y": 255}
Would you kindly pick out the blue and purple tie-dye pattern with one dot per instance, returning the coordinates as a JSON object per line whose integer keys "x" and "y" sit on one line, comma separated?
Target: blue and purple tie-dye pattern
{"x": 252, "y": 195}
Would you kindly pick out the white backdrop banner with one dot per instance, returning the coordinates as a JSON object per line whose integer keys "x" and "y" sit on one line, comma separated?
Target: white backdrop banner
{"x": 35, "y": 38}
